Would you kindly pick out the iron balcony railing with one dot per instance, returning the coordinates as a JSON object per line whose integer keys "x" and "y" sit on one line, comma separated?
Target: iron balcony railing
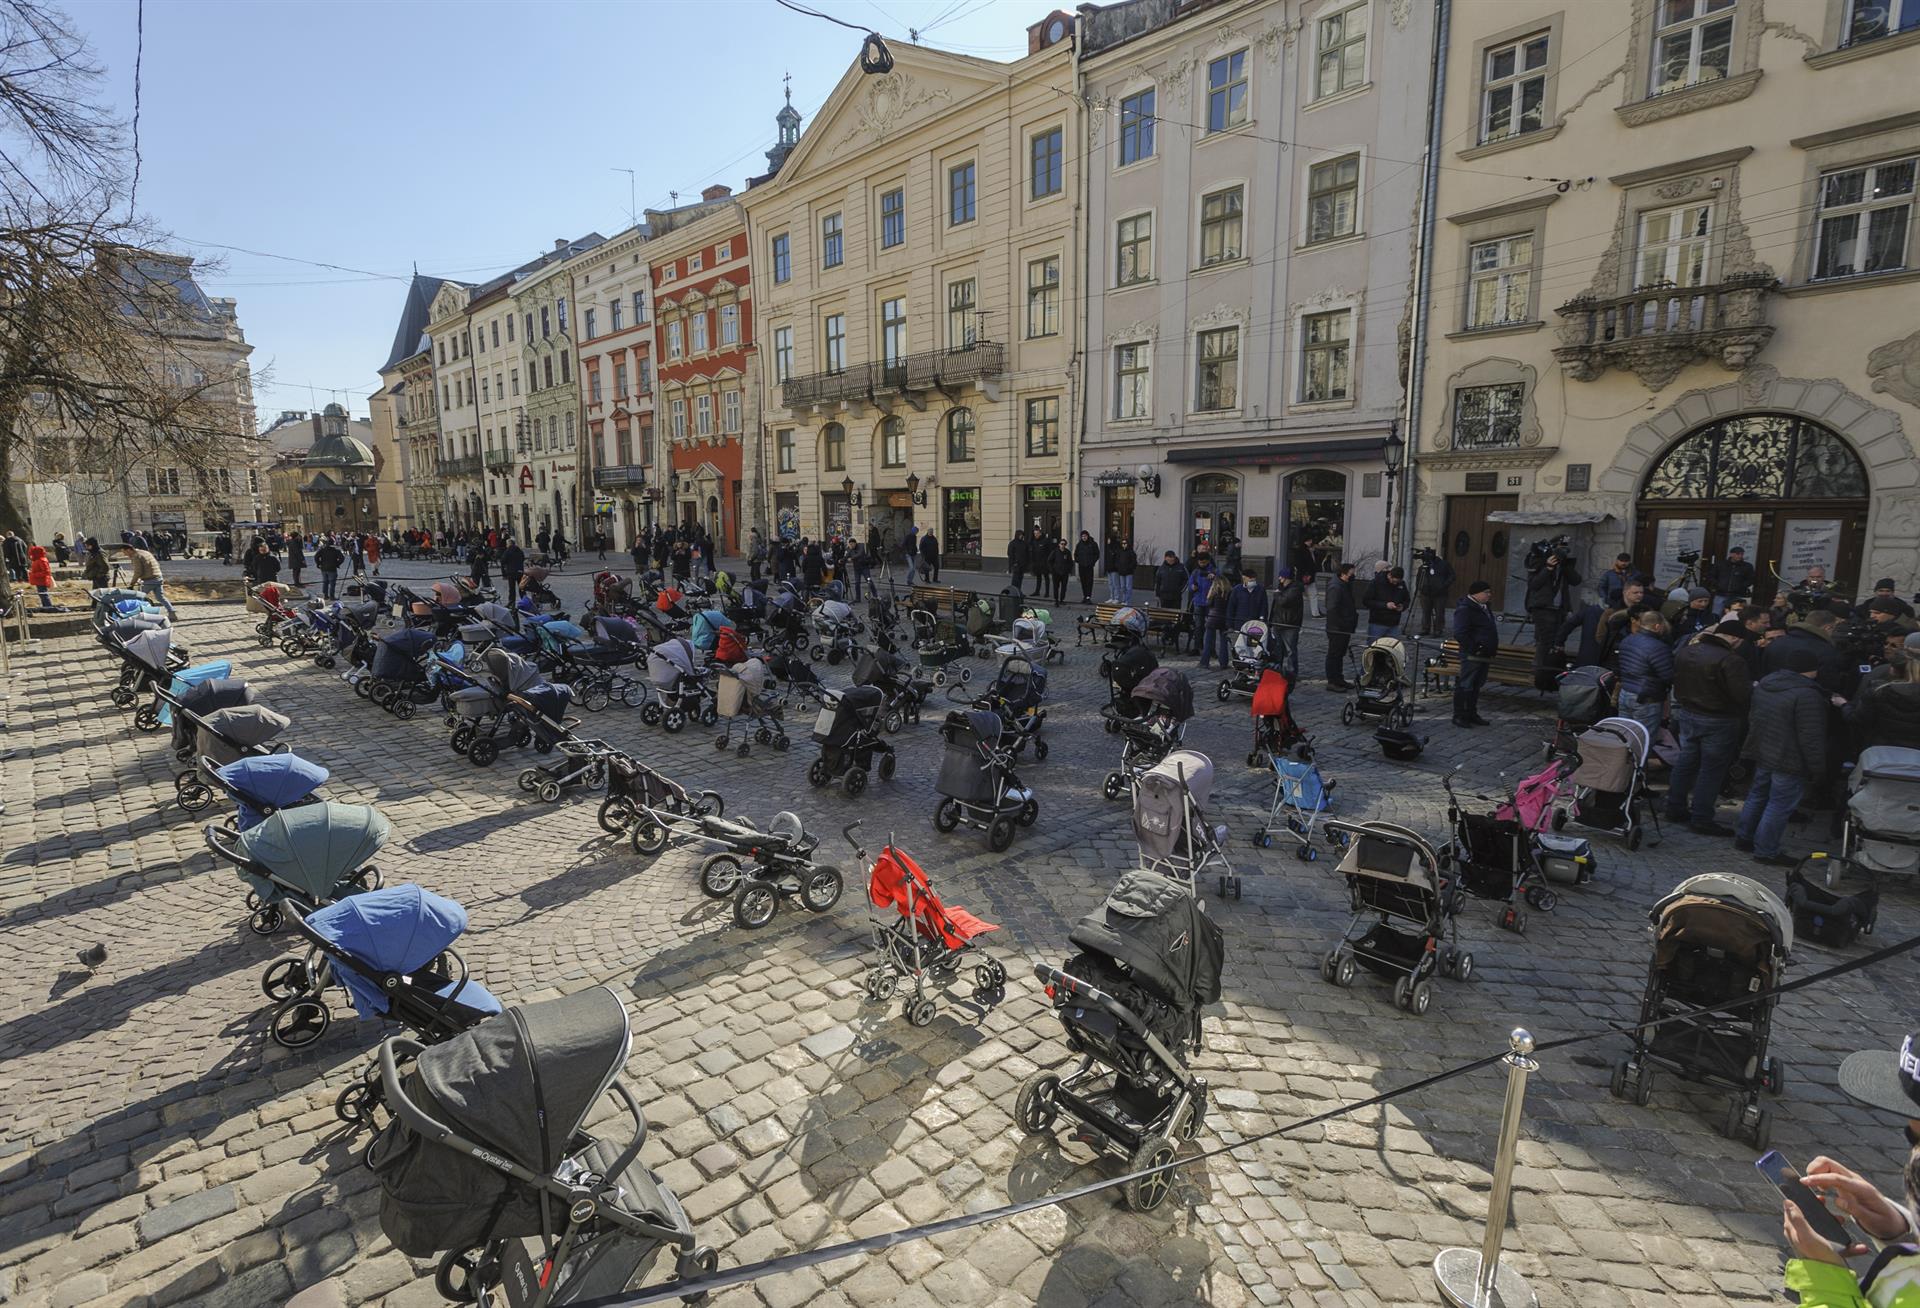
{"x": 620, "y": 476}
{"x": 467, "y": 465}
{"x": 933, "y": 370}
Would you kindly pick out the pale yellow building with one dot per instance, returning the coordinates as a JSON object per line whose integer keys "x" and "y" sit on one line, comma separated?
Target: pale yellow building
{"x": 1672, "y": 290}
{"x": 915, "y": 284}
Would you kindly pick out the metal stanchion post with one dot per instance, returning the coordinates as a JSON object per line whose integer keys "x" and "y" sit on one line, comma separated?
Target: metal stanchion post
{"x": 1469, "y": 1279}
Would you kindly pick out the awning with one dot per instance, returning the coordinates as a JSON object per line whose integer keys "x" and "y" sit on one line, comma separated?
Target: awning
{"x": 1366, "y": 450}
{"x": 1545, "y": 517}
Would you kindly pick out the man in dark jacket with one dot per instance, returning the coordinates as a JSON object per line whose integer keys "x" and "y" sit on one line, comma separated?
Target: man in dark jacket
{"x": 513, "y": 562}
{"x": 1711, "y": 693}
{"x": 1814, "y": 634}
{"x": 1478, "y": 634}
{"x": 1086, "y": 557}
{"x": 328, "y": 559}
{"x": 1698, "y": 616}
{"x": 930, "y": 556}
{"x": 1122, "y": 563}
{"x": 296, "y": 556}
{"x": 1387, "y": 601}
{"x": 1732, "y": 578}
{"x": 1169, "y": 579}
{"x": 1787, "y": 741}
{"x": 1019, "y": 557}
{"x": 1550, "y": 590}
{"x": 1431, "y": 582}
{"x": 1286, "y": 611}
{"x": 1199, "y": 585}
{"x": 1343, "y": 617}
{"x": 1614, "y": 580}
{"x": 1884, "y": 601}
{"x": 1247, "y": 602}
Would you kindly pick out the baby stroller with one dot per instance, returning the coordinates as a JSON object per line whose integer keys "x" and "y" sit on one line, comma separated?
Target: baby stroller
{"x": 848, "y": 733}
{"x": 1029, "y": 637}
{"x": 890, "y": 675}
{"x": 705, "y": 631}
{"x": 1300, "y": 796}
{"x": 397, "y": 680}
{"x": 1380, "y": 691}
{"x": 1717, "y": 939}
{"x": 1883, "y": 811}
{"x": 1586, "y": 695}
{"x": 786, "y": 624}
{"x": 835, "y": 632}
{"x": 1610, "y": 782}
{"x": 193, "y": 705}
{"x": 488, "y": 1162}
{"x": 230, "y": 734}
{"x": 977, "y": 784}
{"x": 1275, "y": 733}
{"x": 1393, "y": 876}
{"x": 939, "y": 644}
{"x": 758, "y": 869}
{"x": 683, "y": 694}
{"x": 270, "y": 602}
{"x": 650, "y": 805}
{"x": 924, "y": 942}
{"x": 1825, "y": 908}
{"x": 1249, "y": 661}
{"x": 1491, "y": 856}
{"x": 1130, "y": 1000}
{"x": 1126, "y": 628}
{"x": 391, "y": 951}
{"x": 612, "y": 594}
{"x": 1122, "y": 671}
{"x": 1017, "y": 695}
{"x": 482, "y": 719}
{"x": 746, "y": 694}
{"x": 259, "y": 786}
{"x": 307, "y": 856}
{"x": 1566, "y": 860}
{"x": 1166, "y": 704}
{"x": 1171, "y": 826}
{"x": 167, "y": 698}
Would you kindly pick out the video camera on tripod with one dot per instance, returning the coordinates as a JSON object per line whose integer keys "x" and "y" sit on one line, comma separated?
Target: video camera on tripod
{"x": 1553, "y": 547}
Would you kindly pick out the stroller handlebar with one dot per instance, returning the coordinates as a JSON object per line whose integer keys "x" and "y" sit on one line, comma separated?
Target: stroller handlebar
{"x": 632, "y": 1151}
{"x": 223, "y": 840}
{"x": 1073, "y": 985}
{"x": 846, "y": 833}
{"x": 403, "y": 1107}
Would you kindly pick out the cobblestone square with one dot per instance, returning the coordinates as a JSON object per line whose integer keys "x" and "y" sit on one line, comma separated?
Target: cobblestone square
{"x": 157, "y": 1148}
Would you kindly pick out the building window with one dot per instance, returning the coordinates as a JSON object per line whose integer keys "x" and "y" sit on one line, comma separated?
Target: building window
{"x": 695, "y": 262}
{"x": 1692, "y": 43}
{"x": 782, "y": 263}
{"x": 547, "y": 370}
{"x": 560, "y": 312}
{"x": 484, "y": 396}
{"x": 646, "y": 375}
{"x": 546, "y": 322}
{"x": 699, "y": 321}
{"x": 1217, "y": 385}
{"x": 836, "y": 342}
{"x": 1673, "y": 246}
{"x": 1487, "y": 417}
{"x": 703, "y": 415}
{"x": 893, "y": 219}
{"x": 591, "y": 329}
{"x": 1516, "y": 88}
{"x": 1136, "y": 127}
{"x": 730, "y": 412}
{"x": 1333, "y": 199}
{"x": 639, "y": 308}
{"x": 960, "y": 436}
{"x": 833, "y": 447}
{"x": 1324, "y": 342}
{"x": 513, "y": 377}
{"x": 1043, "y": 297}
{"x": 613, "y": 313}
{"x": 495, "y": 325}
{"x": 677, "y": 420}
{"x": 1501, "y": 281}
{"x": 567, "y": 427}
{"x": 783, "y": 449}
{"x": 831, "y": 253}
{"x": 1220, "y": 226}
{"x": 960, "y": 195}
{"x": 1133, "y": 250}
{"x": 593, "y": 383}
{"x": 1343, "y": 51}
{"x": 673, "y": 339}
{"x": 782, "y": 353}
{"x": 619, "y": 379}
{"x": 1043, "y": 427}
{"x": 729, "y": 324}
{"x": 1131, "y": 398}
{"x": 1866, "y": 217}
{"x": 510, "y": 327}
{"x": 1044, "y": 151}
{"x": 1227, "y": 91}
{"x": 1868, "y": 20}
{"x": 893, "y": 333}
{"x": 961, "y": 329}
{"x": 893, "y": 442}
{"x": 566, "y": 366}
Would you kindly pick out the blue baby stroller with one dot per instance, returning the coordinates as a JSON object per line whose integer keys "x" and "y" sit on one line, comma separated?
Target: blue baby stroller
{"x": 705, "y": 633}
{"x": 260, "y": 786}
{"x": 1300, "y": 796}
{"x": 398, "y": 679}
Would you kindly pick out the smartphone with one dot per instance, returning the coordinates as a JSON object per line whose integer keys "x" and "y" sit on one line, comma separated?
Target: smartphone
{"x": 1787, "y": 1181}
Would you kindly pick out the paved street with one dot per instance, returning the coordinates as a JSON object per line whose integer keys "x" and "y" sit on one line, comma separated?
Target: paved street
{"x": 156, "y": 1148}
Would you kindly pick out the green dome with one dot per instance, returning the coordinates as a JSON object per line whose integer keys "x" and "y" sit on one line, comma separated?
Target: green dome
{"x": 335, "y": 450}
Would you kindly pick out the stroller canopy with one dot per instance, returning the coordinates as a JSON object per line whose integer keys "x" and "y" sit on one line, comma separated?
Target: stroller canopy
{"x": 240, "y": 728}
{"x": 670, "y": 660}
{"x": 150, "y": 645}
{"x": 315, "y": 846}
{"x": 1170, "y": 689}
{"x": 1381, "y": 851}
{"x": 898, "y": 883}
{"x": 615, "y": 631}
{"x": 523, "y": 1087}
{"x": 1587, "y": 694}
{"x": 1611, "y": 752}
{"x": 205, "y": 698}
{"x": 510, "y": 672}
{"x": 1724, "y": 911}
{"x": 1159, "y": 933}
{"x": 1254, "y": 632}
{"x": 1130, "y": 620}
{"x": 498, "y": 614}
{"x": 1160, "y": 807}
{"x": 410, "y": 641}
{"x": 973, "y": 727}
{"x": 837, "y": 611}
{"x": 446, "y": 594}
{"x": 753, "y": 675}
{"x": 1270, "y": 696}
{"x": 273, "y": 780}
{"x": 1383, "y": 661}
{"x": 397, "y": 929}
{"x": 186, "y": 679}
{"x": 1189, "y": 766}
{"x": 1129, "y": 666}
{"x": 1889, "y": 762}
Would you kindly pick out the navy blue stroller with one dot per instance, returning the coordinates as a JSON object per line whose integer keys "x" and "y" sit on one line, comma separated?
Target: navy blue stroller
{"x": 261, "y": 785}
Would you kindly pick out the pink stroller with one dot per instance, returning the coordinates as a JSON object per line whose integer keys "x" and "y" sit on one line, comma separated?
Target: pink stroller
{"x": 1567, "y": 860}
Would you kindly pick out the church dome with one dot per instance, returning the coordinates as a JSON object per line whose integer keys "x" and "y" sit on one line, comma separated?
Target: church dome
{"x": 338, "y": 450}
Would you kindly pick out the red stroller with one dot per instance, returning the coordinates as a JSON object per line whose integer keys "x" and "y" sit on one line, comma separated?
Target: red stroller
{"x": 924, "y": 941}
{"x": 1274, "y": 730}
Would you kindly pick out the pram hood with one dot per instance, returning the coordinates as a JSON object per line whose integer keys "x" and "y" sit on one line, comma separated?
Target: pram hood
{"x": 1129, "y": 666}
{"x": 548, "y": 700}
{"x": 447, "y": 595}
{"x": 856, "y": 705}
{"x": 1722, "y": 910}
{"x": 1587, "y": 693}
{"x": 707, "y": 624}
{"x": 560, "y": 631}
{"x": 1385, "y": 655}
{"x": 1888, "y": 763}
{"x": 1161, "y": 934}
{"x": 523, "y": 1087}
{"x": 497, "y": 614}
{"x": 876, "y": 667}
{"x": 670, "y": 660}
{"x": 1253, "y": 633}
{"x": 1380, "y": 851}
{"x": 242, "y": 726}
{"x": 835, "y": 611}
{"x": 397, "y": 929}
{"x": 1270, "y": 695}
{"x": 1170, "y": 689}
{"x": 510, "y": 672}
{"x": 273, "y": 780}
{"x": 1129, "y": 620}
{"x": 149, "y": 645}
{"x": 969, "y": 728}
{"x": 204, "y": 698}
{"x": 187, "y": 678}
{"x": 316, "y": 846}
{"x": 1030, "y": 629}
{"x": 1612, "y": 751}
{"x": 615, "y": 631}
{"x": 752, "y": 674}
{"x": 535, "y": 573}
{"x": 1021, "y": 682}
{"x": 1160, "y": 807}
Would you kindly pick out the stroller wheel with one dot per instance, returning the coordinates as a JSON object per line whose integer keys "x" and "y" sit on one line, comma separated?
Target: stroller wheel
{"x": 1224, "y": 690}
{"x": 326, "y": 661}
{"x": 720, "y": 743}
{"x": 1402, "y": 987}
{"x": 854, "y": 782}
{"x": 616, "y": 814}
{"x": 1306, "y": 853}
{"x": 1643, "y": 1087}
{"x": 1253, "y": 759}
{"x": 650, "y": 714}
{"x": 529, "y": 780}
{"x": 1113, "y": 786}
{"x": 709, "y": 715}
{"x": 1112, "y": 727}
{"x": 464, "y": 1276}
{"x": 946, "y": 815}
{"x": 284, "y": 979}
{"x": 299, "y": 1022}
{"x": 1039, "y": 751}
{"x": 483, "y": 751}
{"x": 1421, "y": 999}
{"x": 1542, "y": 899}
{"x": 1634, "y": 835}
{"x": 781, "y": 744}
{"x": 1559, "y": 819}
{"x": 894, "y": 722}
{"x": 888, "y": 764}
{"x": 818, "y": 774}
{"x": 711, "y": 803}
{"x": 720, "y": 875}
{"x": 819, "y": 652}
{"x": 265, "y": 920}
{"x": 880, "y": 984}
{"x": 1511, "y": 919}
{"x": 1762, "y": 1132}
{"x": 121, "y": 696}
{"x": 148, "y": 718}
{"x": 194, "y": 795}
{"x": 355, "y": 1104}
{"x": 649, "y": 837}
{"x": 1264, "y": 840}
{"x": 744, "y": 750}
{"x": 1344, "y": 971}
{"x": 1035, "y": 1109}
{"x": 703, "y": 1261}
{"x": 461, "y": 739}
{"x": 363, "y": 687}
{"x": 402, "y": 708}
{"x": 1148, "y": 1192}
{"x": 549, "y": 792}
{"x": 672, "y": 720}
{"x": 753, "y": 907}
{"x": 1346, "y": 714}
{"x": 1773, "y": 1074}
{"x": 920, "y": 1012}
{"x": 1000, "y": 834}
{"x": 1029, "y": 813}
{"x": 1617, "y": 1087}
{"x": 820, "y": 889}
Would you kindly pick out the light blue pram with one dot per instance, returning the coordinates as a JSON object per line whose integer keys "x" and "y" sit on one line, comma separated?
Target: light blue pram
{"x": 1300, "y": 796}
{"x": 186, "y": 679}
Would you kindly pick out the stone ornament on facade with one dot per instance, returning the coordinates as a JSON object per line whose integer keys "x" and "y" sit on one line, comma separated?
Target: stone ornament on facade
{"x": 1399, "y": 12}
{"x": 1895, "y": 369}
{"x": 1492, "y": 372}
{"x": 889, "y": 99}
{"x": 1146, "y": 329}
{"x": 1326, "y": 298}
{"x": 1220, "y": 315}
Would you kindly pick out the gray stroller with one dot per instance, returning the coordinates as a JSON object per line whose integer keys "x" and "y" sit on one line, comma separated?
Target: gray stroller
{"x": 488, "y": 1162}
{"x": 1171, "y": 825}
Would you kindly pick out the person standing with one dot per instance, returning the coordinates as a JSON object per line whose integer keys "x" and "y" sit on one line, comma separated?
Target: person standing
{"x": 1199, "y": 591}
{"x": 543, "y": 539}
{"x": 1712, "y": 691}
{"x": 1431, "y": 582}
{"x": 1019, "y": 557}
{"x": 513, "y": 566}
{"x": 328, "y": 559}
{"x": 906, "y": 550}
{"x": 1732, "y": 578}
{"x": 1286, "y": 614}
{"x": 146, "y": 575}
{"x": 1125, "y": 563}
{"x": 479, "y": 560}
{"x": 862, "y": 566}
{"x": 559, "y": 549}
{"x": 1387, "y": 601}
{"x": 1213, "y": 620}
{"x": 15, "y": 550}
{"x": 261, "y": 565}
{"x": 930, "y": 556}
{"x": 296, "y": 555}
{"x": 1343, "y": 619}
{"x": 1061, "y": 560}
{"x": 1478, "y": 637}
{"x": 1086, "y": 557}
{"x": 1169, "y": 579}
{"x": 372, "y": 553}
{"x": 1550, "y": 589}
{"x": 40, "y": 574}
{"x": 95, "y": 568}
{"x": 1645, "y": 661}
{"x": 1787, "y": 743}
{"x": 1247, "y": 602}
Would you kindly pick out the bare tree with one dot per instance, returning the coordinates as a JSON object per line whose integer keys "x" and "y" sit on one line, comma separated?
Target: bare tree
{"x": 46, "y": 77}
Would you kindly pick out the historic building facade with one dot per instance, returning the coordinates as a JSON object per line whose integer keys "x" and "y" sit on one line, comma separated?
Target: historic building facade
{"x": 1253, "y": 187}
{"x": 613, "y": 299}
{"x": 456, "y": 383}
{"x": 916, "y": 272}
{"x": 1683, "y": 320}
{"x": 543, "y": 488}
{"x": 407, "y": 390}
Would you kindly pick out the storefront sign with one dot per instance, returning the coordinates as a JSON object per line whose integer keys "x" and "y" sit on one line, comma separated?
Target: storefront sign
{"x": 1036, "y": 494}
{"x": 1257, "y": 527}
{"x": 899, "y": 500}
{"x": 526, "y": 478}
{"x": 1114, "y": 477}
{"x": 1482, "y": 483}
{"x": 1809, "y": 543}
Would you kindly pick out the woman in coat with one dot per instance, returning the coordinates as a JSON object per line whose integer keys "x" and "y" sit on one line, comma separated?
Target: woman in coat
{"x": 40, "y": 574}
{"x": 813, "y": 567}
{"x": 1214, "y": 634}
{"x": 296, "y": 555}
{"x": 95, "y": 569}
{"x": 930, "y": 556}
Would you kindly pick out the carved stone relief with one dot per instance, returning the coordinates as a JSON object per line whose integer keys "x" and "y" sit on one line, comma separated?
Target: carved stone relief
{"x": 1325, "y": 298}
{"x": 1144, "y": 330}
{"x": 1398, "y": 14}
{"x": 1221, "y": 315}
{"x": 886, "y": 101}
{"x": 1895, "y": 369}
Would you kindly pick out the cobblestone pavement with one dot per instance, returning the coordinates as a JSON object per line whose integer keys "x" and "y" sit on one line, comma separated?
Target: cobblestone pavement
{"x": 156, "y": 1148}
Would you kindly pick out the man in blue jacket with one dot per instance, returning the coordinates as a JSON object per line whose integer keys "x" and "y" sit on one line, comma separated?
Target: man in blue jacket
{"x": 1199, "y": 582}
{"x": 1478, "y": 634}
{"x": 1248, "y": 601}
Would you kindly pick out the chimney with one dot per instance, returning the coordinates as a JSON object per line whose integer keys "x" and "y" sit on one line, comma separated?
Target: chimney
{"x": 716, "y": 192}
{"x": 559, "y": 245}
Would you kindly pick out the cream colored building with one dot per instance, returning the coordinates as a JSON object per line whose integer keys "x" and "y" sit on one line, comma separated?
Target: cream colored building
{"x": 456, "y": 383}
{"x": 1673, "y": 288}
{"x": 407, "y": 384}
{"x": 916, "y": 267}
{"x": 613, "y": 304}
{"x": 541, "y": 492}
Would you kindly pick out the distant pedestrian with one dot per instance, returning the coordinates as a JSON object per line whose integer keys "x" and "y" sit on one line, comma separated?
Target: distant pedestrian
{"x": 147, "y": 575}
{"x": 328, "y": 559}
{"x": 40, "y": 575}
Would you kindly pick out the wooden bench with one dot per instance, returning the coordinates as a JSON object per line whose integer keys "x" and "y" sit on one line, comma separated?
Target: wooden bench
{"x": 1512, "y": 665}
{"x": 941, "y": 601}
{"x": 1168, "y": 624}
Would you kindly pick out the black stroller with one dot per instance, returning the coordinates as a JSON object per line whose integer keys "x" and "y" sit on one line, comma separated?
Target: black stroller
{"x": 977, "y": 784}
{"x": 649, "y": 806}
{"x": 482, "y": 718}
{"x": 848, "y": 733}
{"x": 1154, "y": 730}
{"x": 488, "y": 1162}
{"x": 1122, "y": 671}
{"x": 397, "y": 680}
{"x": 1018, "y": 694}
{"x": 757, "y": 869}
{"x": 1491, "y": 857}
{"x": 1586, "y": 695}
{"x": 1717, "y": 938}
{"x": 890, "y": 674}
{"x": 1130, "y": 1000}
{"x": 1393, "y": 876}
{"x": 1380, "y": 692}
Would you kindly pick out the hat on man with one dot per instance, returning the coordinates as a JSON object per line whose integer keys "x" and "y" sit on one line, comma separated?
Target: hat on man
{"x": 1885, "y": 583}
{"x": 1738, "y": 549}
{"x": 1698, "y": 593}
{"x": 1795, "y": 658}
{"x": 1480, "y": 588}
{"x": 1733, "y": 628}
{"x": 1883, "y": 1079}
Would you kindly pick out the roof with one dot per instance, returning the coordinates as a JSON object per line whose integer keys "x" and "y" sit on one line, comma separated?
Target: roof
{"x": 337, "y": 451}
{"x": 411, "y": 336}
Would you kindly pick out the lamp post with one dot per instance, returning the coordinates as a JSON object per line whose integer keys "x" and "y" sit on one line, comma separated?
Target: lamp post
{"x": 1392, "y": 456}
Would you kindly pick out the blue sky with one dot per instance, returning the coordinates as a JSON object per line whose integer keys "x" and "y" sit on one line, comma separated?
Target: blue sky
{"x": 462, "y": 137}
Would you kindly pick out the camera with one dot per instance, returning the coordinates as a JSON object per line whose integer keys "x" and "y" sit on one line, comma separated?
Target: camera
{"x": 1688, "y": 558}
{"x": 1427, "y": 555}
{"x": 1553, "y": 547}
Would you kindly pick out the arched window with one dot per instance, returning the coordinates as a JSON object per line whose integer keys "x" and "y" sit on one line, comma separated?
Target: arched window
{"x": 960, "y": 436}
{"x": 833, "y": 447}
{"x": 1759, "y": 456}
{"x": 893, "y": 442}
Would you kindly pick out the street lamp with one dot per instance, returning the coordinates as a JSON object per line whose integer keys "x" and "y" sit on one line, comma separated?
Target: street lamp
{"x": 846, "y": 487}
{"x": 1392, "y": 456}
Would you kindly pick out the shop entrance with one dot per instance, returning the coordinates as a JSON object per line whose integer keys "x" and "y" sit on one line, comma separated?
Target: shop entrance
{"x": 1116, "y": 514}
{"x": 1213, "y": 513}
{"x": 1316, "y": 519}
{"x": 1477, "y": 548}
{"x": 1040, "y": 507}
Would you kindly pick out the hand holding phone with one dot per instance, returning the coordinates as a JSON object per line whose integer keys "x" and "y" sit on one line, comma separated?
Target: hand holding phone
{"x": 1816, "y": 1219}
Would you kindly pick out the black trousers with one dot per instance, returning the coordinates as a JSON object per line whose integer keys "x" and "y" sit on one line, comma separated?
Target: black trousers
{"x": 1086, "y": 585}
{"x": 1337, "y": 642}
{"x": 1547, "y": 636}
{"x": 1466, "y": 688}
{"x": 1019, "y": 579}
{"x": 1060, "y": 587}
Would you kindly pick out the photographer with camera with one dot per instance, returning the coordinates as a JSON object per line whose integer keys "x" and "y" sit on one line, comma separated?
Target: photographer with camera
{"x": 1731, "y": 579}
{"x": 1432, "y": 579}
{"x": 1551, "y": 581}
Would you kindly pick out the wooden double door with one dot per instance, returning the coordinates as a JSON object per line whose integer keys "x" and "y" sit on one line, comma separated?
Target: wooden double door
{"x": 1476, "y": 547}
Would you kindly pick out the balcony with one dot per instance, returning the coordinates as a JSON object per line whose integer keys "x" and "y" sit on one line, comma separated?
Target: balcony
{"x": 500, "y": 460}
{"x": 621, "y": 476}
{"x": 467, "y": 465}
{"x": 1655, "y": 332}
{"x": 910, "y": 378}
